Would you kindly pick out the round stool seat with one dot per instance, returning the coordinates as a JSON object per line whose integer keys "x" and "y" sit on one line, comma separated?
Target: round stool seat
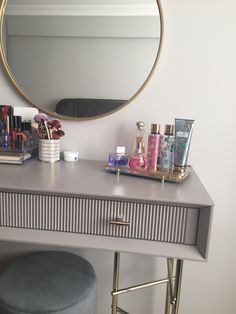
{"x": 48, "y": 282}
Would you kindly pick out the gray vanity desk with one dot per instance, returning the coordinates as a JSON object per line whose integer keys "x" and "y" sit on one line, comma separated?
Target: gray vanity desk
{"x": 81, "y": 205}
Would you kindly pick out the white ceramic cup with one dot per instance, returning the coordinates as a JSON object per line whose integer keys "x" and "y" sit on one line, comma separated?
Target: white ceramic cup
{"x": 49, "y": 150}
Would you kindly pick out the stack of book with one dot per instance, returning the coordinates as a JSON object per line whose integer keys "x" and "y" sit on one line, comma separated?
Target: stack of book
{"x": 16, "y": 156}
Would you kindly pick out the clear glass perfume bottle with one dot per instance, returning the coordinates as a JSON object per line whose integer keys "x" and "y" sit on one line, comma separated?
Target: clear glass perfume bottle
{"x": 139, "y": 139}
{"x": 138, "y": 159}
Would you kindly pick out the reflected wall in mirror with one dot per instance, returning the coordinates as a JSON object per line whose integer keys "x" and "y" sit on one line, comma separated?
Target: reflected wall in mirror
{"x": 80, "y": 58}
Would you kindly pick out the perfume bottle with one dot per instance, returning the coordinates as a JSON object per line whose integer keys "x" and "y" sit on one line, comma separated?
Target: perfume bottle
{"x": 138, "y": 159}
{"x": 139, "y": 137}
{"x": 167, "y": 147}
{"x": 153, "y": 148}
{"x": 118, "y": 159}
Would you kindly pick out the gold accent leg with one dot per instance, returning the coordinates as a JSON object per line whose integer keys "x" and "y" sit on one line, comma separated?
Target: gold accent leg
{"x": 172, "y": 292}
{"x": 116, "y": 273}
{"x": 167, "y": 304}
{"x": 121, "y": 311}
{"x": 178, "y": 280}
{"x": 169, "y": 288}
{"x": 142, "y": 286}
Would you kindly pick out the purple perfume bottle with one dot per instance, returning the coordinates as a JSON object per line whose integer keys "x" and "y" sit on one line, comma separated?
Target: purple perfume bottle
{"x": 118, "y": 159}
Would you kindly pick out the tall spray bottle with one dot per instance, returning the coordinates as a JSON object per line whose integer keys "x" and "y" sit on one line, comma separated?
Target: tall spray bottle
{"x": 167, "y": 147}
{"x": 153, "y": 148}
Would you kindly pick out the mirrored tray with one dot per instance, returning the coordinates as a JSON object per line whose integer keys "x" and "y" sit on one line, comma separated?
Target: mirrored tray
{"x": 178, "y": 175}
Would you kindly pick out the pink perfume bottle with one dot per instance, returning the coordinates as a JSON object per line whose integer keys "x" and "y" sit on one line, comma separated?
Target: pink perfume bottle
{"x": 153, "y": 147}
{"x": 138, "y": 159}
{"x": 139, "y": 137}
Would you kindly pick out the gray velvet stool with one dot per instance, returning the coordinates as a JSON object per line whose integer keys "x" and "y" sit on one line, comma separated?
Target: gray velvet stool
{"x": 48, "y": 282}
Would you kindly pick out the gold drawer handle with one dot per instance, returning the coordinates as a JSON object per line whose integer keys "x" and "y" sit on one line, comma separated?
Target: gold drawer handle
{"x": 120, "y": 222}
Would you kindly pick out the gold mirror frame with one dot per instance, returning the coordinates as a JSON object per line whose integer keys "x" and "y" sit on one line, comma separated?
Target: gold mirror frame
{"x": 3, "y": 4}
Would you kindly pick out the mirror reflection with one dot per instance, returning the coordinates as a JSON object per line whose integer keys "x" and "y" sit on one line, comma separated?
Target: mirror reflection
{"x": 81, "y": 58}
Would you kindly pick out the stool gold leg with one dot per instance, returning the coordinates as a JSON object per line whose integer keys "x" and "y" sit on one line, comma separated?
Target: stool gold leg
{"x": 178, "y": 280}
{"x": 169, "y": 288}
{"x": 116, "y": 273}
{"x": 167, "y": 305}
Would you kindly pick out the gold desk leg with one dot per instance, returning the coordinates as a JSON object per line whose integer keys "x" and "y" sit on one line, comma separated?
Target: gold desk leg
{"x": 172, "y": 297}
{"x": 177, "y": 287}
{"x": 167, "y": 305}
{"x": 116, "y": 273}
{"x": 169, "y": 286}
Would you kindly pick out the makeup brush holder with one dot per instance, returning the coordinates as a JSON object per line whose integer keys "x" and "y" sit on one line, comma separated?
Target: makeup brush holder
{"x": 49, "y": 150}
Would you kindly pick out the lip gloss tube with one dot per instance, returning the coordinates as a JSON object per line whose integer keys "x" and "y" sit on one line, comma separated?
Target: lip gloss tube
{"x": 5, "y": 137}
{"x": 1, "y": 132}
{"x": 19, "y": 124}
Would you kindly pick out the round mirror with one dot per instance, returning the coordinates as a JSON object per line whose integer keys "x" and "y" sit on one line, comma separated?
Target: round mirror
{"x": 80, "y": 59}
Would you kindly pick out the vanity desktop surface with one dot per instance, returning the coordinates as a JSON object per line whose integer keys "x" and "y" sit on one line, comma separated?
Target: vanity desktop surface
{"x": 80, "y": 204}
{"x": 88, "y": 178}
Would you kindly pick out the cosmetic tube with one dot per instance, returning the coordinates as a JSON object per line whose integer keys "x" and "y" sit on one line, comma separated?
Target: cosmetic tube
{"x": 167, "y": 147}
{"x": 2, "y": 127}
{"x": 5, "y": 136}
{"x": 19, "y": 123}
{"x": 153, "y": 147}
{"x": 183, "y": 134}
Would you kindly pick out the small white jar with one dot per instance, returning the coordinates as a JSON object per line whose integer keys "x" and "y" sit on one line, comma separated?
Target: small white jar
{"x": 71, "y": 156}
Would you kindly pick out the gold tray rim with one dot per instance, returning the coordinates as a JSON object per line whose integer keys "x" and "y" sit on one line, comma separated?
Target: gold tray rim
{"x": 177, "y": 176}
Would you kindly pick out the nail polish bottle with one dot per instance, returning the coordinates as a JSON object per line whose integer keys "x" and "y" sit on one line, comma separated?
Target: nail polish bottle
{"x": 166, "y": 159}
{"x": 138, "y": 159}
{"x": 153, "y": 147}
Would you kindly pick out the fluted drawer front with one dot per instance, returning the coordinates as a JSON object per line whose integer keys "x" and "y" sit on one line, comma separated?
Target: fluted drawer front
{"x": 166, "y": 223}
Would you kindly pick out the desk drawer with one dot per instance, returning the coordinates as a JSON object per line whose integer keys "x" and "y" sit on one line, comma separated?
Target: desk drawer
{"x": 114, "y": 218}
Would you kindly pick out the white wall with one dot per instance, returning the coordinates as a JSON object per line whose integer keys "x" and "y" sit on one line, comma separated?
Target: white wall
{"x": 195, "y": 78}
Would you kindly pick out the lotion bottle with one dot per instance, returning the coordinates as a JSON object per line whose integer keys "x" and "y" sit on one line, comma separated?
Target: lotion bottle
{"x": 153, "y": 147}
{"x": 167, "y": 147}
